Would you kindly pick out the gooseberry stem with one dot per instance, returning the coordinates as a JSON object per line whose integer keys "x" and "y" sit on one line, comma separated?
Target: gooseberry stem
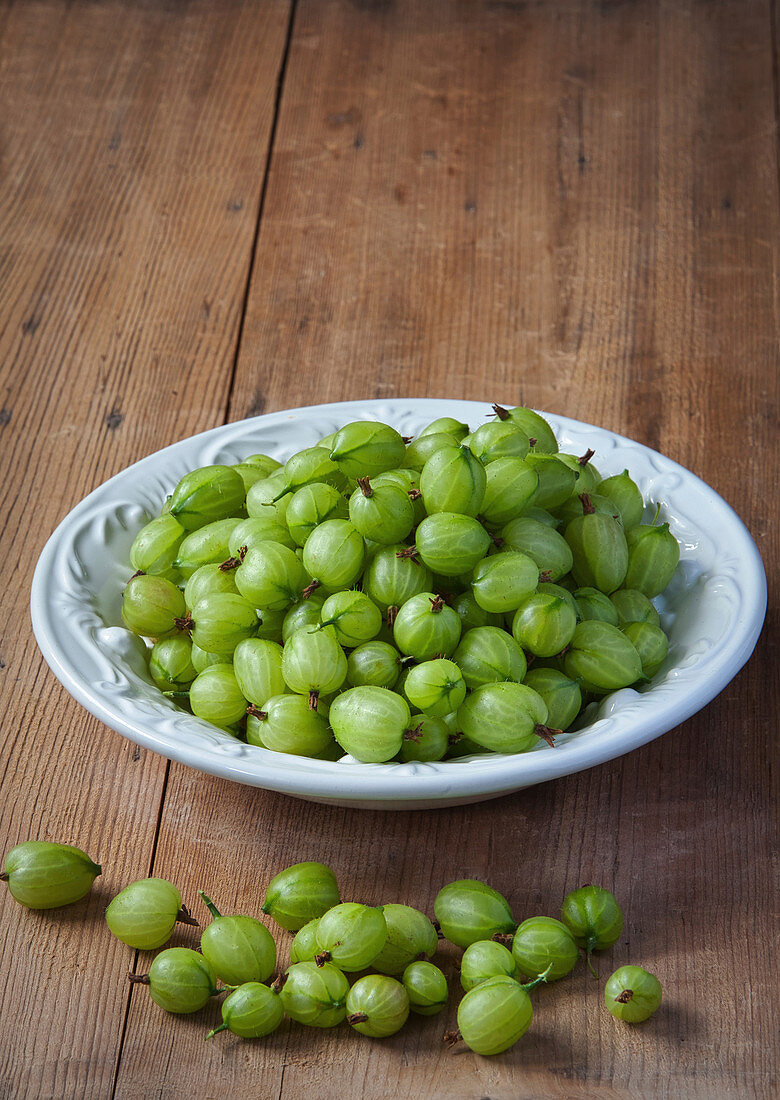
{"x": 547, "y": 733}
{"x": 279, "y": 982}
{"x": 452, "y": 1037}
{"x": 184, "y": 624}
{"x": 230, "y": 563}
{"x": 537, "y": 981}
{"x": 314, "y": 698}
{"x": 260, "y": 715}
{"x": 3, "y": 876}
{"x": 322, "y": 958}
{"x": 364, "y": 484}
{"x": 624, "y": 997}
{"x": 138, "y": 979}
{"x": 184, "y": 916}
{"x": 588, "y": 508}
{"x": 209, "y": 904}
{"x": 216, "y": 1030}
{"x": 414, "y": 494}
{"x": 392, "y": 611}
{"x": 504, "y": 938}
{"x": 361, "y": 1017}
{"x": 588, "y": 953}
{"x": 437, "y": 604}
{"x": 413, "y": 734}
{"x": 585, "y": 459}
{"x": 500, "y": 412}
{"x": 310, "y": 589}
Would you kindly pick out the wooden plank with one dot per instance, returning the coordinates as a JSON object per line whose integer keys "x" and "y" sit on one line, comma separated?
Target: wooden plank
{"x": 520, "y": 200}
{"x": 134, "y": 139}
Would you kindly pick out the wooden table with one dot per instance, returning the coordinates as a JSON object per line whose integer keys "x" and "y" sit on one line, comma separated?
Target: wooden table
{"x": 211, "y": 210}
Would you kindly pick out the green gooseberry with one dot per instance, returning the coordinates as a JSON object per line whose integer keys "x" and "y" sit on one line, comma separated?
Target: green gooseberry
{"x": 632, "y": 994}
{"x": 180, "y": 980}
{"x": 503, "y": 581}
{"x": 248, "y": 473}
{"x": 540, "y": 435}
{"x": 601, "y": 657}
{"x": 425, "y": 627}
{"x": 381, "y": 512}
{"x": 304, "y": 945}
{"x": 493, "y": 1015}
{"x": 208, "y": 545}
{"x": 453, "y": 480}
{"x": 208, "y": 580}
{"x": 374, "y": 664}
{"x": 313, "y": 663}
{"x": 238, "y": 948}
{"x": 544, "y": 624}
{"x": 588, "y": 476}
{"x": 366, "y": 448}
{"x": 354, "y": 617}
{"x": 562, "y": 695}
{"x": 170, "y": 663}
{"x": 556, "y": 479}
{"x": 155, "y": 546}
{"x": 252, "y": 1011}
{"x": 471, "y": 614}
{"x": 461, "y": 747}
{"x": 593, "y": 604}
{"x": 446, "y": 424}
{"x": 288, "y": 724}
{"x": 377, "y": 1006}
{"x": 544, "y": 946}
{"x": 310, "y": 466}
{"x": 310, "y": 506}
{"x": 540, "y": 542}
{"x": 468, "y": 910}
{"x": 351, "y": 935}
{"x": 450, "y": 543}
{"x": 410, "y": 934}
{"x": 44, "y": 875}
{"x": 216, "y": 697}
{"x": 257, "y": 667}
{"x": 634, "y": 607}
{"x": 427, "y": 741}
{"x": 653, "y": 555}
{"x": 334, "y": 554}
{"x": 301, "y": 893}
{"x": 550, "y": 589}
{"x": 270, "y": 628}
{"x": 315, "y": 995}
{"x": 152, "y": 606}
{"x": 485, "y": 959}
{"x": 426, "y": 988}
{"x": 574, "y": 507}
{"x": 207, "y": 494}
{"x": 425, "y": 446}
{"x": 271, "y": 576}
{"x": 541, "y": 515}
{"x": 202, "y": 660}
{"x": 254, "y": 530}
{"x": 510, "y": 487}
{"x": 264, "y": 463}
{"x": 626, "y": 496}
{"x": 409, "y": 480}
{"x": 498, "y": 439}
{"x": 222, "y": 620}
{"x": 593, "y": 917}
{"x": 263, "y": 501}
{"x": 436, "y": 687}
{"x": 600, "y": 551}
{"x": 505, "y": 717}
{"x": 394, "y": 575}
{"x": 143, "y": 915}
{"x": 487, "y": 654}
{"x": 370, "y": 722}
{"x": 651, "y": 644}
{"x": 305, "y": 612}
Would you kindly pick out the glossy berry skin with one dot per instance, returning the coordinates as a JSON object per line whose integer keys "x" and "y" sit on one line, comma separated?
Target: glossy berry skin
{"x": 425, "y": 628}
{"x": 409, "y": 935}
{"x": 207, "y": 494}
{"x": 601, "y": 657}
{"x": 390, "y": 580}
{"x": 301, "y": 893}
{"x": 377, "y": 1006}
{"x": 155, "y": 546}
{"x": 334, "y": 554}
{"x": 239, "y": 949}
{"x": 453, "y": 480}
{"x": 626, "y": 496}
{"x": 593, "y": 917}
{"x": 468, "y": 910}
{"x": 485, "y": 959}
{"x": 598, "y": 545}
{"x": 510, "y": 488}
{"x": 315, "y": 995}
{"x": 304, "y": 945}
{"x": 651, "y": 644}
{"x": 653, "y": 554}
{"x": 503, "y": 717}
{"x": 561, "y": 695}
{"x": 369, "y": 723}
{"x": 351, "y": 935}
{"x": 494, "y": 1015}
{"x": 540, "y": 542}
{"x": 252, "y": 1011}
{"x": 534, "y": 426}
{"x": 364, "y": 449}
{"x": 435, "y": 687}
{"x": 143, "y": 915}
{"x": 450, "y": 543}
{"x": 632, "y": 994}
{"x": 503, "y": 581}
{"x": 488, "y": 654}
{"x": 543, "y": 945}
{"x": 151, "y": 606}
{"x": 44, "y": 875}
{"x": 426, "y": 988}
{"x": 181, "y": 980}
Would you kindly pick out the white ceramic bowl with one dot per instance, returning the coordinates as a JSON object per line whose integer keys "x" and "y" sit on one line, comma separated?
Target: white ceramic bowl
{"x": 712, "y": 612}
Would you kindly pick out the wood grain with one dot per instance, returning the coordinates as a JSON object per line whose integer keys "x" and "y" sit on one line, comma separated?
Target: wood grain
{"x": 527, "y": 200}
{"x": 575, "y": 205}
{"x": 133, "y": 149}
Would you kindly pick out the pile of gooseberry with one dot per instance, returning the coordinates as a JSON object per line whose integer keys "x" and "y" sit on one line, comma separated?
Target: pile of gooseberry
{"x": 502, "y": 961}
{"x": 402, "y": 599}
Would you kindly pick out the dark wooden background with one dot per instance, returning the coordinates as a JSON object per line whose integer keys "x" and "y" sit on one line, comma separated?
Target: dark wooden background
{"x": 214, "y": 209}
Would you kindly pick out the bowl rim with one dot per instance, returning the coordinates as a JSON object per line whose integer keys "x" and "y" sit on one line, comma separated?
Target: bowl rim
{"x": 474, "y": 778}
